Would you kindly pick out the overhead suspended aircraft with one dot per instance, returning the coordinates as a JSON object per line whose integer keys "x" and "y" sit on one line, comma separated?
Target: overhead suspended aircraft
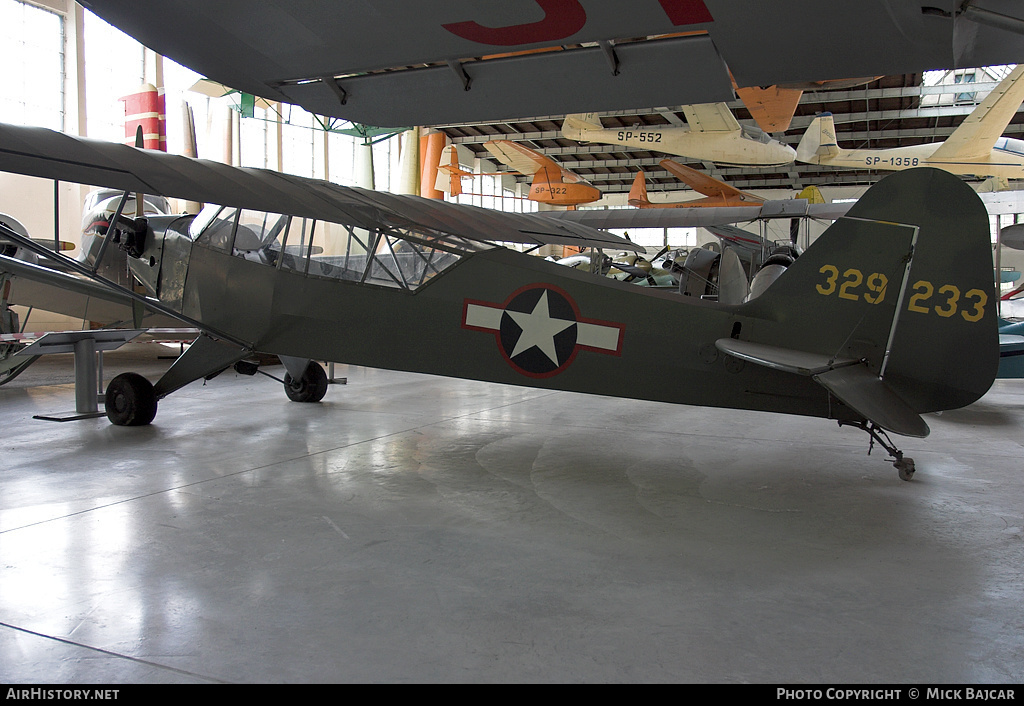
{"x": 716, "y": 193}
{"x": 712, "y": 134}
{"x": 551, "y": 184}
{"x": 976, "y": 147}
{"x": 888, "y": 315}
{"x": 441, "y": 61}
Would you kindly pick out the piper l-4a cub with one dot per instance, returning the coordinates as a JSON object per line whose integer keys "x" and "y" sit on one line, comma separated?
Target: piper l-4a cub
{"x": 888, "y": 315}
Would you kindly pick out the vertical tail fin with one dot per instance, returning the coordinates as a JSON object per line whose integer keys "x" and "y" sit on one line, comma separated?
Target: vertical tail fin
{"x": 818, "y": 145}
{"x": 449, "y": 173}
{"x": 902, "y": 283}
{"x": 575, "y": 126}
{"x": 638, "y": 193}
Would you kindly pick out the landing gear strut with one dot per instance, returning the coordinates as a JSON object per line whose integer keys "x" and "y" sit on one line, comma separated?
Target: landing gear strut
{"x": 903, "y": 465}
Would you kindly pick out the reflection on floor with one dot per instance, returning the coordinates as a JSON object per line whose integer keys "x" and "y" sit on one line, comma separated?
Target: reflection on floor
{"x": 413, "y": 528}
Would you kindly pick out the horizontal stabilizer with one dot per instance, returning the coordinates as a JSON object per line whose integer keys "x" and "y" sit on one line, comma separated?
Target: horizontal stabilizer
{"x": 853, "y": 384}
{"x": 785, "y": 359}
{"x": 868, "y": 395}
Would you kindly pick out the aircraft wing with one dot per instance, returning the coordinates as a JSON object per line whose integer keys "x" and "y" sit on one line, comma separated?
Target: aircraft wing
{"x": 704, "y": 184}
{"x": 519, "y": 157}
{"x": 688, "y": 217}
{"x": 53, "y": 155}
{"x": 710, "y": 117}
{"x": 977, "y": 134}
{"x": 526, "y": 161}
{"x": 433, "y": 62}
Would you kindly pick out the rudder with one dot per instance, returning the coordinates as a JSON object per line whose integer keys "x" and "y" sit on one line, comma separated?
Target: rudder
{"x": 930, "y": 330}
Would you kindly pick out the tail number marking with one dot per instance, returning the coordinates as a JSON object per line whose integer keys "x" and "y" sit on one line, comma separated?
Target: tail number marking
{"x": 974, "y": 301}
{"x": 852, "y": 280}
{"x": 892, "y": 161}
{"x": 971, "y": 308}
{"x": 641, "y": 136}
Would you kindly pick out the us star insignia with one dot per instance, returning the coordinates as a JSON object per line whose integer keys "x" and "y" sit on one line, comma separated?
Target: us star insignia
{"x": 539, "y": 329}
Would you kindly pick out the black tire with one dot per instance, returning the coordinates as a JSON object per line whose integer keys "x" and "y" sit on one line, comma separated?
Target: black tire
{"x": 310, "y": 388}
{"x": 130, "y": 401}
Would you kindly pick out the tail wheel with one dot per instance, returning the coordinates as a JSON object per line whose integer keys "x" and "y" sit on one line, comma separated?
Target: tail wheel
{"x": 311, "y": 387}
{"x": 130, "y": 401}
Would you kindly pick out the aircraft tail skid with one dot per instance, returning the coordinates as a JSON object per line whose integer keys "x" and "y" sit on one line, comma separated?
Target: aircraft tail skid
{"x": 900, "y": 299}
{"x": 819, "y": 141}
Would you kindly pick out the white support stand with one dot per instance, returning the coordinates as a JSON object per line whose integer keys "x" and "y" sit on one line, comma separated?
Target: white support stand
{"x": 85, "y": 345}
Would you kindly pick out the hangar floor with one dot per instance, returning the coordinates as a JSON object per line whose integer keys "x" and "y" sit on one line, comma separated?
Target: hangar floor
{"x": 420, "y": 529}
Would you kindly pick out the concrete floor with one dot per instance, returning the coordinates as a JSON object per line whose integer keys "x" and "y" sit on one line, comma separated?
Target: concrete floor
{"x": 420, "y": 529}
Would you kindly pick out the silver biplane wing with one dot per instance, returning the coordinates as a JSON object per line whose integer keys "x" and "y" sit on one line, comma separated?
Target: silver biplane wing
{"x": 440, "y": 61}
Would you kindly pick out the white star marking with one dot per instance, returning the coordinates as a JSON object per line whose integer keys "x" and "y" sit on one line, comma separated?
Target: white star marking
{"x": 539, "y": 329}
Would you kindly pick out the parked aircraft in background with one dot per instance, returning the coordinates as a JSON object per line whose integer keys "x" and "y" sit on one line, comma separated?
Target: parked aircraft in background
{"x": 1011, "y": 349}
{"x": 712, "y": 134}
{"x": 94, "y": 304}
{"x": 552, "y": 183}
{"x": 306, "y": 270}
{"x": 976, "y": 147}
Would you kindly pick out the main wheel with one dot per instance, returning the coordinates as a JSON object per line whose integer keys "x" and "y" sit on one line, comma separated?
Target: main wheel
{"x": 311, "y": 387}
{"x": 130, "y": 401}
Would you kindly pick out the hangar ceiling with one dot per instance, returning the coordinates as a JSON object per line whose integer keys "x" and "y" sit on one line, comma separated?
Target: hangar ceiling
{"x": 892, "y": 111}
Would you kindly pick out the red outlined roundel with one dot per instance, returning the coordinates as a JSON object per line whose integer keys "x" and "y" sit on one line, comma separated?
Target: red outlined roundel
{"x": 539, "y": 329}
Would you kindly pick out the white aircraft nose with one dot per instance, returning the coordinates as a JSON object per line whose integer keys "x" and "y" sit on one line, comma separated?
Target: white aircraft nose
{"x": 779, "y": 153}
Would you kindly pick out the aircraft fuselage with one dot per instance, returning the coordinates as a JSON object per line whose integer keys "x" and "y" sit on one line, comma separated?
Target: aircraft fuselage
{"x": 1006, "y": 160}
{"x": 725, "y": 147}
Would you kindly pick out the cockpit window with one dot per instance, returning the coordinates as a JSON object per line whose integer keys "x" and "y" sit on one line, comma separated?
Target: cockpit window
{"x": 1009, "y": 144}
{"x": 215, "y": 228}
{"x": 387, "y": 256}
{"x": 755, "y": 133}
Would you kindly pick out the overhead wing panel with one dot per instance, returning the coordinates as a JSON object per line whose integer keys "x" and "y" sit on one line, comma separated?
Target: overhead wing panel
{"x": 550, "y": 83}
{"x": 259, "y": 47}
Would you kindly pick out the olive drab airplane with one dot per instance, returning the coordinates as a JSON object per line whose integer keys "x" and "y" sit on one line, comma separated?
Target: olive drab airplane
{"x": 712, "y": 134}
{"x": 551, "y": 183}
{"x": 976, "y": 147}
{"x": 890, "y": 314}
{"x": 448, "y": 61}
